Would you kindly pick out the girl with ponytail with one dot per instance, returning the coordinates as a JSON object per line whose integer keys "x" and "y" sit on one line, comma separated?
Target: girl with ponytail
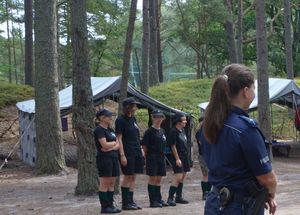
{"x": 234, "y": 148}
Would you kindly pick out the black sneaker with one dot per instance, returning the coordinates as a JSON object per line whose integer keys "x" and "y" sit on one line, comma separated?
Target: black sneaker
{"x": 171, "y": 202}
{"x": 155, "y": 204}
{"x": 129, "y": 206}
{"x": 110, "y": 210}
{"x": 181, "y": 200}
{"x": 163, "y": 203}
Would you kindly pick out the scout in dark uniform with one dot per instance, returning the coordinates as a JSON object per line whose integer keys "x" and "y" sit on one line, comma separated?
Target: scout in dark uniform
{"x": 177, "y": 140}
{"x": 205, "y": 185}
{"x": 131, "y": 157}
{"x": 154, "y": 143}
{"x": 107, "y": 160}
{"x": 235, "y": 150}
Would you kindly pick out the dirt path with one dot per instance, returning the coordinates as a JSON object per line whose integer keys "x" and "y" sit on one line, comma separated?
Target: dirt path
{"x": 23, "y": 193}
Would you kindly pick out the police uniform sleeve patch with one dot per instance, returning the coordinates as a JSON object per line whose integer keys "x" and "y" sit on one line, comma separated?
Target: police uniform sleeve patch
{"x": 249, "y": 121}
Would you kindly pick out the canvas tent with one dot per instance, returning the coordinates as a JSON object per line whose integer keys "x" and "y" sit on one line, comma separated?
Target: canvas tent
{"x": 281, "y": 91}
{"x": 103, "y": 88}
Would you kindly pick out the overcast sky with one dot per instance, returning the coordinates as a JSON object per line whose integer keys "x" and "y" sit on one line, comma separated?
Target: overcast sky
{"x": 140, "y": 4}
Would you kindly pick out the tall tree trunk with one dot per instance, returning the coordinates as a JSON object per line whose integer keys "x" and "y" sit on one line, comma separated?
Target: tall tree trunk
{"x": 22, "y": 54}
{"x": 159, "y": 51}
{"x": 14, "y": 52}
{"x": 67, "y": 64}
{"x": 288, "y": 40}
{"x": 146, "y": 48}
{"x": 28, "y": 43}
{"x": 61, "y": 83}
{"x": 199, "y": 70}
{"x": 50, "y": 153}
{"x": 8, "y": 41}
{"x": 153, "y": 68}
{"x": 229, "y": 29}
{"x": 127, "y": 53}
{"x": 262, "y": 70}
{"x": 296, "y": 40}
{"x": 83, "y": 112}
{"x": 239, "y": 42}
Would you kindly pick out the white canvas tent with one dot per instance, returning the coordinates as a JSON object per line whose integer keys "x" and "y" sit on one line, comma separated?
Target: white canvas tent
{"x": 281, "y": 91}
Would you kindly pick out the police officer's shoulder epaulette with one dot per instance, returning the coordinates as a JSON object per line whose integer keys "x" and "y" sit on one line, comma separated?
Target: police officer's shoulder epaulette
{"x": 248, "y": 120}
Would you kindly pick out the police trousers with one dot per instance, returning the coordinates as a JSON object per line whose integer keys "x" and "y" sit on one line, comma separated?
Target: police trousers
{"x": 212, "y": 207}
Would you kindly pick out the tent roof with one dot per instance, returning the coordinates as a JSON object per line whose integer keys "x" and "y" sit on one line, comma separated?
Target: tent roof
{"x": 102, "y": 87}
{"x": 282, "y": 91}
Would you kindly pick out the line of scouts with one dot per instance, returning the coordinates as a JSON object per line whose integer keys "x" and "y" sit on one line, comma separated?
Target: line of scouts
{"x": 123, "y": 148}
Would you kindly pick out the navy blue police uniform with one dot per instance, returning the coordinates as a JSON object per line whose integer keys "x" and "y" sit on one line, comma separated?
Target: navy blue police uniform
{"x": 107, "y": 162}
{"x": 239, "y": 155}
{"x": 179, "y": 139}
{"x": 128, "y": 128}
{"x": 155, "y": 142}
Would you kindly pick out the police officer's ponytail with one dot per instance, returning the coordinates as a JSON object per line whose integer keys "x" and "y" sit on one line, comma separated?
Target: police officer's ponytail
{"x": 226, "y": 86}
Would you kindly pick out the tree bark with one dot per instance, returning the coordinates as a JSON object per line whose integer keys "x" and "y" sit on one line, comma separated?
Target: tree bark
{"x": 239, "y": 42}
{"x": 49, "y": 143}
{"x": 159, "y": 51}
{"x": 83, "y": 112}
{"x": 153, "y": 67}
{"x": 22, "y": 54}
{"x": 146, "y": 48}
{"x": 288, "y": 40}
{"x": 262, "y": 70}
{"x": 28, "y": 43}
{"x": 14, "y": 52}
{"x": 229, "y": 29}
{"x": 296, "y": 39}
{"x": 127, "y": 53}
{"x": 61, "y": 83}
{"x": 199, "y": 70}
{"x": 8, "y": 41}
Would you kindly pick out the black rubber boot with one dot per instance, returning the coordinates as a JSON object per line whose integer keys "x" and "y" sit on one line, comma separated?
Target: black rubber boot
{"x": 111, "y": 201}
{"x": 204, "y": 189}
{"x": 170, "y": 200}
{"x": 105, "y": 204}
{"x": 158, "y": 194}
{"x": 179, "y": 199}
{"x": 152, "y": 197}
{"x": 126, "y": 205}
{"x": 131, "y": 201}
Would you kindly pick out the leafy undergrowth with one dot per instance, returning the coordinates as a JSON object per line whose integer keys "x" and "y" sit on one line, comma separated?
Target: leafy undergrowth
{"x": 10, "y": 94}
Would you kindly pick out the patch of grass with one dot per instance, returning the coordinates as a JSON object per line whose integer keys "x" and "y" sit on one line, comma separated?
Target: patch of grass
{"x": 10, "y": 94}
{"x": 183, "y": 95}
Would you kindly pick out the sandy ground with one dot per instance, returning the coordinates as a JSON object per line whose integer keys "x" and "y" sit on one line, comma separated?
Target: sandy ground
{"x": 21, "y": 192}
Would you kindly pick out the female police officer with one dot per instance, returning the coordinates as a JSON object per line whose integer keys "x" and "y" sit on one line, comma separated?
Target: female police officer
{"x": 234, "y": 148}
{"x": 154, "y": 143}
{"x": 180, "y": 162}
{"x": 107, "y": 160}
{"x": 132, "y": 161}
